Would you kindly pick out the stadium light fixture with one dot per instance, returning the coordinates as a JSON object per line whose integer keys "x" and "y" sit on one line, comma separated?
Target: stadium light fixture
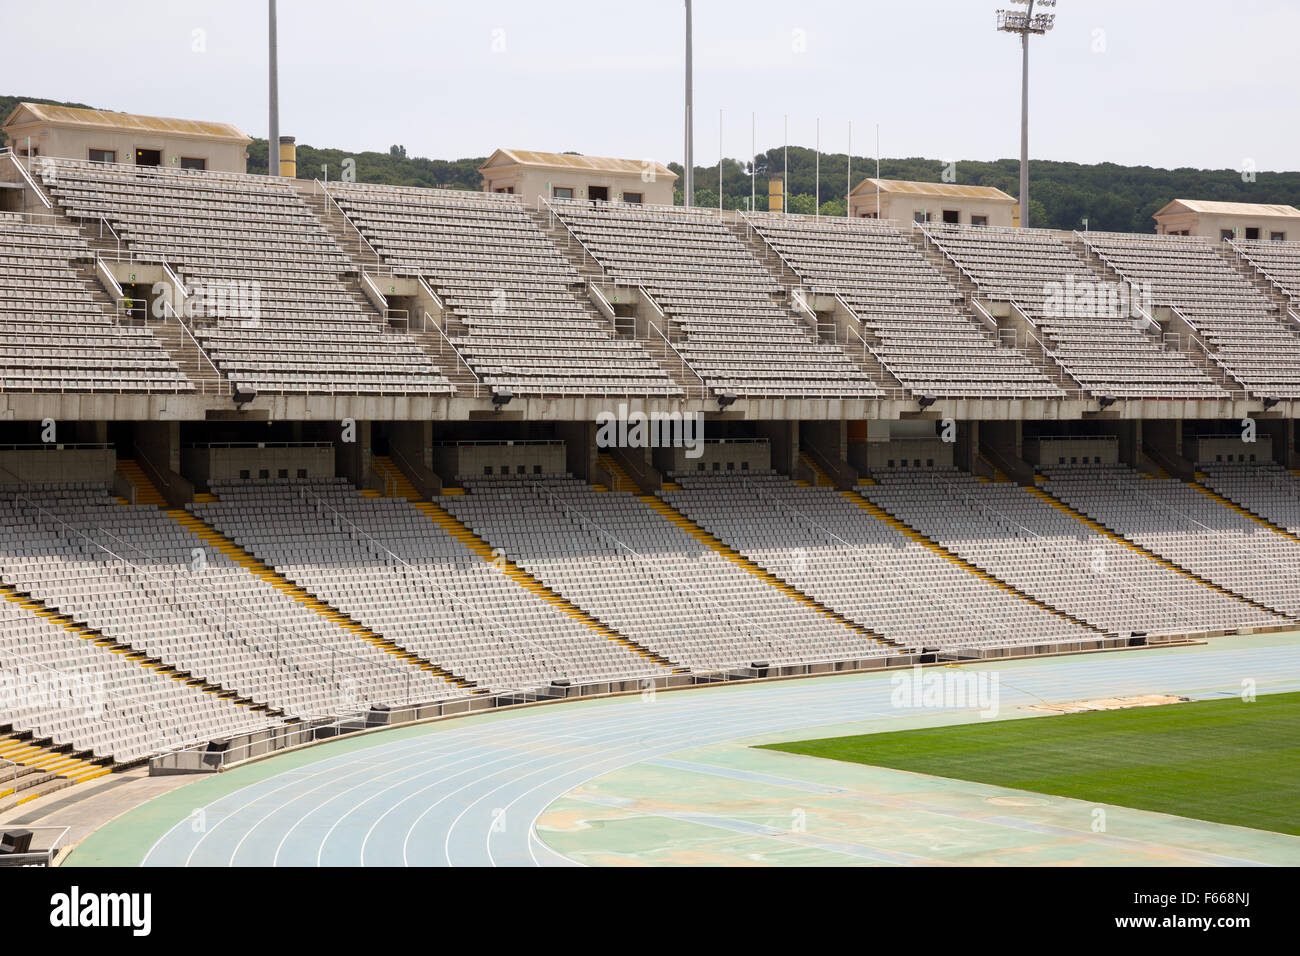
{"x": 1026, "y": 24}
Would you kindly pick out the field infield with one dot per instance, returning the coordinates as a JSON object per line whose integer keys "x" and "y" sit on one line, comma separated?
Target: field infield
{"x": 1226, "y": 761}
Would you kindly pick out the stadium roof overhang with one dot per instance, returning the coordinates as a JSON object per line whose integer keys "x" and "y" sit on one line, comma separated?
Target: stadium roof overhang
{"x": 27, "y": 116}
{"x": 504, "y": 159}
{"x": 1216, "y": 208}
{"x": 901, "y": 187}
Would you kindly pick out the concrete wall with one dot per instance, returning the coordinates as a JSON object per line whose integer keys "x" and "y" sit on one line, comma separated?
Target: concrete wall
{"x": 1068, "y": 451}
{"x": 909, "y": 453}
{"x": 1210, "y": 451}
{"x": 77, "y": 143}
{"x": 718, "y": 455}
{"x": 903, "y": 208}
{"x": 469, "y": 461}
{"x": 529, "y": 183}
{"x": 202, "y": 464}
{"x": 1210, "y": 225}
{"x": 46, "y": 466}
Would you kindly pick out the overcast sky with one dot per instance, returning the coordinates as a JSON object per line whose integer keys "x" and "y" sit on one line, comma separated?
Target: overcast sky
{"x": 1153, "y": 82}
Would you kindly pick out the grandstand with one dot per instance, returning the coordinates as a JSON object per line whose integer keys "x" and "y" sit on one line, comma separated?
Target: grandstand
{"x": 283, "y": 459}
{"x": 1095, "y": 344}
{"x": 1237, "y": 325}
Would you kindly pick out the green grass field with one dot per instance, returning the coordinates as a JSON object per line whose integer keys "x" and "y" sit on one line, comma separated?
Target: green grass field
{"x": 1220, "y": 760}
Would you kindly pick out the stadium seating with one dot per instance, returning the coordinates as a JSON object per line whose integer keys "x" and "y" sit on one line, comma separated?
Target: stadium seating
{"x": 266, "y": 278}
{"x": 908, "y": 310}
{"x": 54, "y": 336}
{"x": 385, "y": 563}
{"x": 723, "y": 306}
{"x": 1024, "y": 540}
{"x": 1096, "y": 343}
{"x": 818, "y": 540}
{"x": 525, "y": 328}
{"x": 136, "y": 576}
{"x": 1265, "y": 488}
{"x": 1187, "y": 527}
{"x": 1234, "y": 319}
{"x": 1279, "y": 262}
{"x": 65, "y": 689}
{"x": 614, "y": 556}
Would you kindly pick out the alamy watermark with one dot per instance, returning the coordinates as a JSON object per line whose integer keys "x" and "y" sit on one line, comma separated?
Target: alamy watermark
{"x": 637, "y": 429}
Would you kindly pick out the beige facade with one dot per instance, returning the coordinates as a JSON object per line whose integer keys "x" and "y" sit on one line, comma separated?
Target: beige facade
{"x": 105, "y": 136}
{"x": 530, "y": 174}
{"x": 1229, "y": 220}
{"x": 905, "y": 201}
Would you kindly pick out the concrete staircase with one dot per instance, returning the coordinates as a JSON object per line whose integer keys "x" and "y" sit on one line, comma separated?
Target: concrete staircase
{"x": 146, "y": 492}
{"x": 969, "y": 292}
{"x": 659, "y": 351}
{"x": 620, "y": 480}
{"x": 396, "y": 484}
{"x": 30, "y": 769}
{"x": 1198, "y": 356}
{"x": 362, "y": 259}
{"x": 1275, "y": 294}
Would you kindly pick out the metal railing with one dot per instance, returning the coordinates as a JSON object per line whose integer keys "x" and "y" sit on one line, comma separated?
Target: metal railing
{"x": 362, "y": 241}
{"x": 444, "y": 341}
{"x": 26, "y": 174}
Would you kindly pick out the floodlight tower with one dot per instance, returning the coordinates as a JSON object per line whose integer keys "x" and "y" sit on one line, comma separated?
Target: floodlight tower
{"x": 1025, "y": 24}
{"x": 688, "y": 183}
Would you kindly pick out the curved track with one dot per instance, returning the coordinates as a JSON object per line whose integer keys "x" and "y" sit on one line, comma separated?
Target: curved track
{"x": 469, "y": 792}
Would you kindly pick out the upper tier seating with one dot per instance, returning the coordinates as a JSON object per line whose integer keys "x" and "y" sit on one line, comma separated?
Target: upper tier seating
{"x": 390, "y": 567}
{"x": 817, "y": 540}
{"x": 1234, "y": 319}
{"x": 1266, "y": 488}
{"x": 54, "y": 337}
{"x": 67, "y": 690}
{"x": 724, "y": 307}
{"x": 1026, "y": 541}
{"x": 1097, "y": 344}
{"x": 615, "y": 557}
{"x": 1187, "y": 527}
{"x": 276, "y": 310}
{"x": 1278, "y": 261}
{"x": 135, "y": 575}
{"x": 529, "y": 328}
{"x": 909, "y": 312}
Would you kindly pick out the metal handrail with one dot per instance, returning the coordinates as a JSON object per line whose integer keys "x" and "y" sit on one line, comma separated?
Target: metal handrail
{"x": 330, "y": 200}
{"x": 27, "y": 176}
{"x": 428, "y": 320}
{"x": 573, "y": 237}
{"x": 224, "y": 384}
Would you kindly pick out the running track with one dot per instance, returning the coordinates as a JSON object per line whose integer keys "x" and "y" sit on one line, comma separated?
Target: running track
{"x": 469, "y": 792}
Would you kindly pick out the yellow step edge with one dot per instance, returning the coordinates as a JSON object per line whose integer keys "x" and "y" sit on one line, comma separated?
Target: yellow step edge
{"x": 708, "y": 540}
{"x": 1139, "y": 549}
{"x": 284, "y": 585}
{"x": 446, "y": 519}
{"x": 957, "y": 560}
